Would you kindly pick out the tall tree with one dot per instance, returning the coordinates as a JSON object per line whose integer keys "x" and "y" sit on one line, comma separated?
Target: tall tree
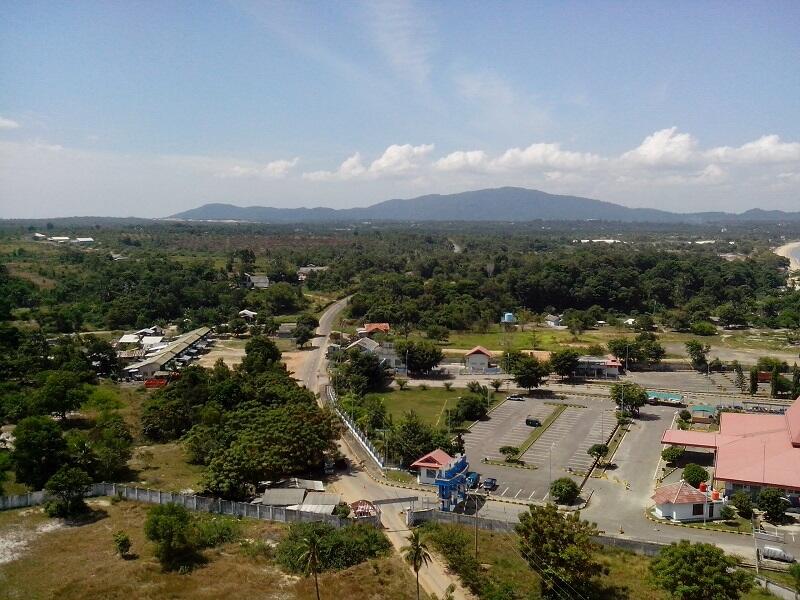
{"x": 562, "y": 549}
{"x": 564, "y": 362}
{"x": 629, "y": 396}
{"x": 529, "y": 372}
{"x": 753, "y": 381}
{"x": 689, "y": 571}
{"x": 310, "y": 545}
{"x": 416, "y": 554}
{"x": 39, "y": 451}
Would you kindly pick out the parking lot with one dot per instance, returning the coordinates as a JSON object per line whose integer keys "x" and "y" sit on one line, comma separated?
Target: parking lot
{"x": 560, "y": 451}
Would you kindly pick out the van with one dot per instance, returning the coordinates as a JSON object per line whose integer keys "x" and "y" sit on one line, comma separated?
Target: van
{"x": 773, "y": 553}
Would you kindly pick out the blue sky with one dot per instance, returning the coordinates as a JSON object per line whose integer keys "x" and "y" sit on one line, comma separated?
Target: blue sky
{"x": 147, "y": 108}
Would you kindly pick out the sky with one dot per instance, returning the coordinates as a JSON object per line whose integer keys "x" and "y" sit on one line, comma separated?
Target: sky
{"x": 137, "y": 108}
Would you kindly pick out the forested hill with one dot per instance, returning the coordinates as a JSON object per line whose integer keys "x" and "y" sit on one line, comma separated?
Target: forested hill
{"x": 498, "y": 204}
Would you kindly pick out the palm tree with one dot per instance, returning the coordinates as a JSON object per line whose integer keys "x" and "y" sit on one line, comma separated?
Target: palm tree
{"x": 416, "y": 554}
{"x": 310, "y": 556}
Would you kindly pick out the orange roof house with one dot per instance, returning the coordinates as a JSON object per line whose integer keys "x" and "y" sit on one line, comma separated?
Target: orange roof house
{"x": 751, "y": 449}
{"x": 370, "y": 328}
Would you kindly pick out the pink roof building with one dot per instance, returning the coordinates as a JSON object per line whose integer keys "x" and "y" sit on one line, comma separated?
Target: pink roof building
{"x": 429, "y": 466}
{"x": 751, "y": 450}
{"x": 479, "y": 350}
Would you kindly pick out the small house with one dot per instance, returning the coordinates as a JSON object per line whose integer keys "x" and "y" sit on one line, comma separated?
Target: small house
{"x": 258, "y": 282}
{"x": 552, "y": 320}
{"x": 286, "y": 330}
{"x": 477, "y": 359}
{"x": 370, "y": 329}
{"x": 247, "y": 314}
{"x": 681, "y": 502}
{"x": 429, "y": 465}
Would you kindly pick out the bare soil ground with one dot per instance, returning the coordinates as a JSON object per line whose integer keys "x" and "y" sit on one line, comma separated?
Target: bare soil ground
{"x": 78, "y": 562}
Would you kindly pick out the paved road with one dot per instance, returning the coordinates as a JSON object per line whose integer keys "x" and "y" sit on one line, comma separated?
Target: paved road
{"x": 356, "y": 484}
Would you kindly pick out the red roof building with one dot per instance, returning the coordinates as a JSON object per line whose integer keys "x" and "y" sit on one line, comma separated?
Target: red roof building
{"x": 372, "y": 328}
{"x": 752, "y": 450}
{"x": 681, "y": 502}
{"x": 430, "y": 464}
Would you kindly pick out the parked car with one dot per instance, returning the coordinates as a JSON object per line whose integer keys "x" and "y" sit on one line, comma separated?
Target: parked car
{"x": 774, "y": 553}
{"x": 489, "y": 484}
{"x": 517, "y": 397}
{"x": 531, "y": 422}
{"x": 472, "y": 479}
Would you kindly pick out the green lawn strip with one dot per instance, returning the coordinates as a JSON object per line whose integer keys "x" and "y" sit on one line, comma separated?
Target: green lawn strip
{"x": 614, "y": 443}
{"x": 428, "y": 404}
{"x": 538, "y": 431}
{"x": 512, "y": 465}
{"x": 399, "y": 476}
{"x": 780, "y": 577}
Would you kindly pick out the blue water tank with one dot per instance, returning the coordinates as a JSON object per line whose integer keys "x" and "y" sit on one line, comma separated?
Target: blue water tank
{"x": 509, "y": 318}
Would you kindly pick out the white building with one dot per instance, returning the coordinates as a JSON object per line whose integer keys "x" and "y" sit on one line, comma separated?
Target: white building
{"x": 682, "y": 502}
{"x": 552, "y": 320}
{"x": 477, "y": 359}
{"x": 429, "y": 465}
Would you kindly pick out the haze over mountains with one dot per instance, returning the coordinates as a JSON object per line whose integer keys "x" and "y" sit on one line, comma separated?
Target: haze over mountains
{"x": 495, "y": 204}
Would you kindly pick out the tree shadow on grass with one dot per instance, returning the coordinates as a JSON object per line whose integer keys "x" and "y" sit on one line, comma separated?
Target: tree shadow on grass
{"x": 91, "y": 515}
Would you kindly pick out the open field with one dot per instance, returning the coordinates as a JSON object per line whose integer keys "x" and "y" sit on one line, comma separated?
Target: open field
{"x": 51, "y": 560}
{"x": 628, "y": 574}
{"x": 431, "y": 404}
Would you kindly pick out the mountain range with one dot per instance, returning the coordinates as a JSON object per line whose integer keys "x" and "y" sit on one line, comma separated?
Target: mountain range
{"x": 495, "y": 204}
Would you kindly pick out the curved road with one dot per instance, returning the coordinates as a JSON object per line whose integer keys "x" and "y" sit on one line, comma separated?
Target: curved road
{"x": 357, "y": 484}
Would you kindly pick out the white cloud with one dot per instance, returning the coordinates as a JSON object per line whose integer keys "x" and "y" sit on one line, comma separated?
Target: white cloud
{"x": 275, "y": 169}
{"x": 398, "y": 159}
{"x": 350, "y": 168}
{"x": 8, "y": 123}
{"x": 664, "y": 147}
{"x": 544, "y": 156}
{"x": 766, "y": 149}
{"x": 395, "y": 160}
{"x": 470, "y": 160}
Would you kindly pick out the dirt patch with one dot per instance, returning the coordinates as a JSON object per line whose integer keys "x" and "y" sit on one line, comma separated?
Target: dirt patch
{"x": 294, "y": 361}
{"x": 230, "y": 351}
{"x": 16, "y": 537}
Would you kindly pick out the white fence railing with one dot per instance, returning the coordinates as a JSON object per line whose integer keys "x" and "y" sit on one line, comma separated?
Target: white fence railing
{"x": 192, "y": 502}
{"x": 360, "y": 436}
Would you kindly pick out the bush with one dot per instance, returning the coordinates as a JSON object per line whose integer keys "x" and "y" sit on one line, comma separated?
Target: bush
{"x": 685, "y": 415}
{"x": 122, "y": 543}
{"x": 771, "y": 501}
{"x": 564, "y": 490}
{"x": 471, "y": 407}
{"x": 743, "y": 504}
{"x": 727, "y": 513}
{"x": 338, "y": 548}
{"x": 67, "y": 489}
{"x": 694, "y": 474}
{"x": 214, "y": 530}
{"x": 256, "y": 549}
{"x": 672, "y": 454}
{"x": 703, "y": 328}
{"x": 170, "y": 527}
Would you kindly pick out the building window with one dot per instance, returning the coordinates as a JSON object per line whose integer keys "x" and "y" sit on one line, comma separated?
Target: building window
{"x": 430, "y": 473}
{"x": 697, "y": 510}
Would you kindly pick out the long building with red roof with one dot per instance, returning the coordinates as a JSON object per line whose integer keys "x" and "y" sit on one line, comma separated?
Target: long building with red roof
{"x": 752, "y": 451}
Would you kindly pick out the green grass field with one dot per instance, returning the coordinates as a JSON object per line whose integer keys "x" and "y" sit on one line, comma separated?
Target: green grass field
{"x": 430, "y": 404}
{"x": 628, "y": 574}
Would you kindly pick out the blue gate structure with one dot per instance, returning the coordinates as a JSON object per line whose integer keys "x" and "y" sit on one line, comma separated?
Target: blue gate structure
{"x": 451, "y": 482}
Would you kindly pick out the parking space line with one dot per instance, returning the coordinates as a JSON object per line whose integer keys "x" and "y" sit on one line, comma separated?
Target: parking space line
{"x": 534, "y": 491}
{"x": 504, "y": 492}
{"x": 517, "y": 494}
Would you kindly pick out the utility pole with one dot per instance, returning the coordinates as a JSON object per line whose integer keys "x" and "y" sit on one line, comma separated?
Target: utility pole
{"x": 475, "y": 497}
{"x": 755, "y": 543}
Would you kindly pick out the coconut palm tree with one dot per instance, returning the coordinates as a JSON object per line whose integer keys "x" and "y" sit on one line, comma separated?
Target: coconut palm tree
{"x": 416, "y": 554}
{"x": 310, "y": 556}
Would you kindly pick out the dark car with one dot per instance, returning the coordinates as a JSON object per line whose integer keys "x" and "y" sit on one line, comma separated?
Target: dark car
{"x": 472, "y": 480}
{"x": 489, "y": 483}
{"x": 517, "y": 397}
{"x": 531, "y": 422}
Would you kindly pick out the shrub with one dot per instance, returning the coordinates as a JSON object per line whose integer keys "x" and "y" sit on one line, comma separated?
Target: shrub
{"x": 685, "y": 415}
{"x": 256, "y": 549}
{"x": 214, "y": 531}
{"x": 338, "y": 548}
{"x": 694, "y": 474}
{"x": 401, "y": 383}
{"x": 672, "y": 454}
{"x": 122, "y": 543}
{"x": 67, "y": 489}
{"x": 743, "y": 504}
{"x": 771, "y": 501}
{"x": 727, "y": 513}
{"x": 170, "y": 527}
{"x": 703, "y": 328}
{"x": 564, "y": 490}
{"x": 448, "y": 385}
